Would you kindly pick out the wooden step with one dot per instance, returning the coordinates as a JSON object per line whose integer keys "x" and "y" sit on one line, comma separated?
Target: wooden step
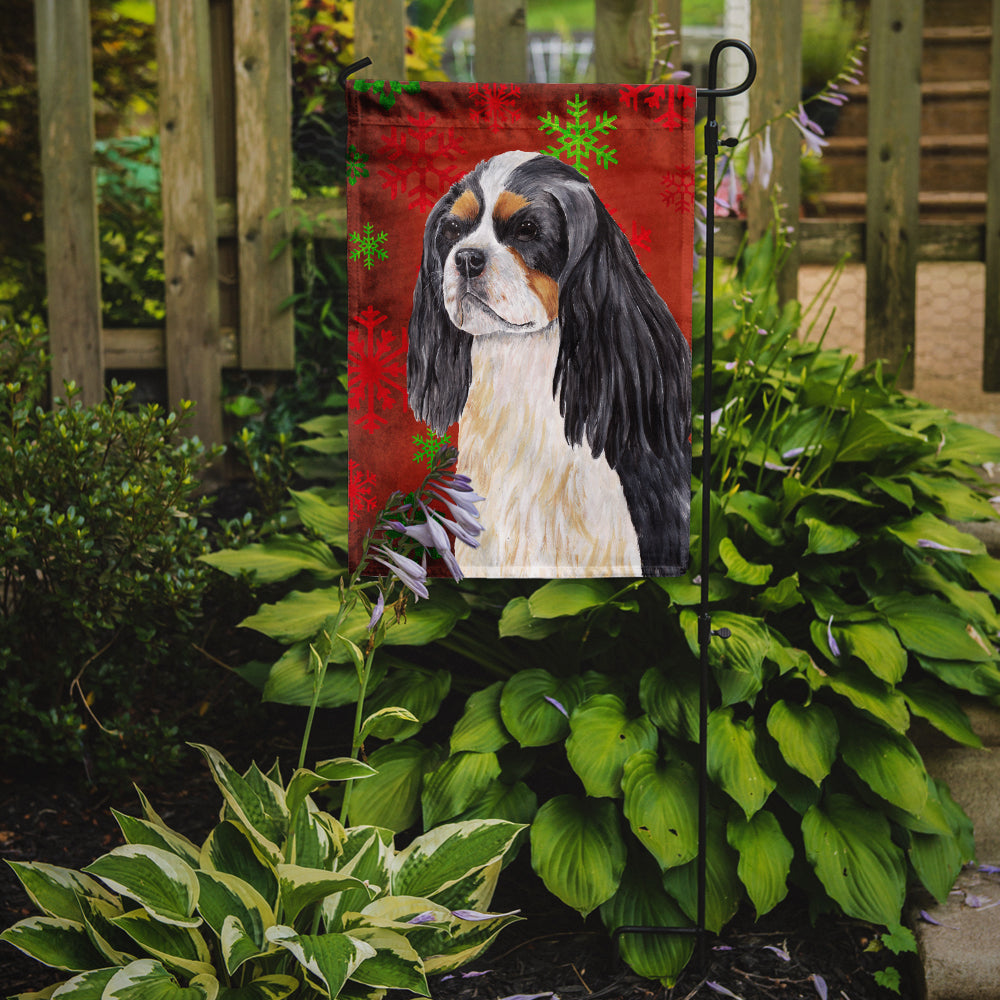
{"x": 940, "y": 13}
{"x": 956, "y": 53}
{"x": 958, "y": 206}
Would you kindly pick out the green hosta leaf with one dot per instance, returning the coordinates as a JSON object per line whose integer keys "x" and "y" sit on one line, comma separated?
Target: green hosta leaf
{"x": 783, "y": 595}
{"x": 147, "y": 979}
{"x": 54, "y": 941}
{"x": 965, "y": 443}
{"x": 827, "y": 539}
{"x": 425, "y": 621}
{"x": 395, "y": 964}
{"x": 928, "y": 528}
{"x": 937, "y": 859}
{"x": 723, "y": 889}
{"x": 870, "y": 436}
{"x": 56, "y": 891}
{"x": 671, "y": 699}
{"x": 602, "y": 738}
{"x": 866, "y": 692}
{"x": 517, "y": 620}
{"x": 141, "y": 831}
{"x": 391, "y": 798}
{"x": 683, "y": 591}
{"x": 732, "y": 760}
{"x": 275, "y": 987}
{"x": 758, "y": 511}
{"x": 438, "y": 859}
{"x": 986, "y": 572}
{"x": 876, "y": 646}
{"x": 558, "y": 598}
{"x": 177, "y": 947}
{"x": 807, "y": 736}
{"x": 329, "y": 521}
{"x": 300, "y": 615}
{"x": 481, "y": 728}
{"x": 226, "y": 898}
{"x": 528, "y": 710}
{"x": 941, "y": 709}
{"x": 456, "y": 784}
{"x": 578, "y": 851}
{"x": 765, "y": 858}
{"x": 957, "y": 501}
{"x": 738, "y": 661}
{"x": 230, "y": 849}
{"x": 292, "y": 680}
{"x": 739, "y": 569}
{"x": 975, "y": 605}
{"x": 888, "y": 763}
{"x": 159, "y": 881}
{"x": 330, "y": 959}
{"x": 976, "y": 678}
{"x": 850, "y": 848}
{"x": 641, "y": 901}
{"x": 661, "y": 799}
{"x": 516, "y": 803}
{"x": 301, "y": 887}
{"x": 260, "y": 809}
{"x": 893, "y": 488}
{"x": 931, "y": 628}
{"x": 279, "y": 558}
{"x": 415, "y": 689}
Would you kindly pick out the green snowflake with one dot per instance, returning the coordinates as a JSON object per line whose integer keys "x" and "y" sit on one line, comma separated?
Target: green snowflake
{"x": 428, "y": 446}
{"x": 579, "y": 137}
{"x": 386, "y": 91}
{"x": 368, "y": 246}
{"x": 356, "y": 161}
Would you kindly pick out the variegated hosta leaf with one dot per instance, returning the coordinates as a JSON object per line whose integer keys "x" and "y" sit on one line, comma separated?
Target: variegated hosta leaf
{"x": 602, "y": 737}
{"x": 230, "y": 849}
{"x": 304, "y": 782}
{"x": 329, "y": 959}
{"x": 475, "y": 891}
{"x": 466, "y": 941}
{"x": 765, "y": 858}
{"x": 642, "y": 902}
{"x": 274, "y": 987}
{"x": 481, "y": 727}
{"x": 56, "y": 891}
{"x": 300, "y": 887}
{"x": 147, "y": 979}
{"x": 661, "y": 799}
{"x": 807, "y": 736}
{"x": 225, "y": 897}
{"x": 851, "y": 849}
{"x": 416, "y": 690}
{"x": 141, "y": 831}
{"x": 158, "y": 880}
{"x": 86, "y": 986}
{"x": 177, "y": 947}
{"x": 116, "y": 946}
{"x": 54, "y": 941}
{"x": 441, "y": 857}
{"x": 578, "y": 851}
{"x": 367, "y": 853}
{"x": 395, "y": 964}
{"x": 256, "y": 801}
{"x": 315, "y": 838}
{"x": 732, "y": 760}
{"x": 456, "y": 784}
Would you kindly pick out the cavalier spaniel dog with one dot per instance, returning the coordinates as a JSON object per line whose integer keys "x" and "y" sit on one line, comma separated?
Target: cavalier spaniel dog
{"x": 534, "y": 325}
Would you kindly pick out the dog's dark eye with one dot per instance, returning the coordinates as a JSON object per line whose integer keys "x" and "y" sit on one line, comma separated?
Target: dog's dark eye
{"x": 526, "y": 230}
{"x": 450, "y": 230}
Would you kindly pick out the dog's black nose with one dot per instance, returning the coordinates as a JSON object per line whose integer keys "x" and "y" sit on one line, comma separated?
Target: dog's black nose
{"x": 470, "y": 262}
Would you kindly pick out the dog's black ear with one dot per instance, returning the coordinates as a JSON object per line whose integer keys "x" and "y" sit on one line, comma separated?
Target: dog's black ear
{"x": 623, "y": 375}
{"x": 439, "y": 357}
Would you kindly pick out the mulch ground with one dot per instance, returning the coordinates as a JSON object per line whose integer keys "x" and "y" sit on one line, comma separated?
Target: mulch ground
{"x": 551, "y": 952}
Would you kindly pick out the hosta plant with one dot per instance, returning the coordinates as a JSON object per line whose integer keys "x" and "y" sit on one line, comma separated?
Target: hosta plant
{"x": 279, "y": 900}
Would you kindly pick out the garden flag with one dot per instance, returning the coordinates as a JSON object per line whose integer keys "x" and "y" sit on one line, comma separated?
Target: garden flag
{"x": 520, "y": 262}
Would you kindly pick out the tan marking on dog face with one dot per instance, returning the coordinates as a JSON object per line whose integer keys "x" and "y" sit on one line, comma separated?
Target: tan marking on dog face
{"x": 544, "y": 288}
{"x": 507, "y": 204}
{"x": 466, "y": 206}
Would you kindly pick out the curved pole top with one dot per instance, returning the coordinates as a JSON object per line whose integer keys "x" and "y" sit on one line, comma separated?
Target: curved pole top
{"x": 353, "y": 68}
{"x": 712, "y": 90}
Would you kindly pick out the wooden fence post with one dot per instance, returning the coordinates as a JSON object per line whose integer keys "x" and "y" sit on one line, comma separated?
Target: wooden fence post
{"x": 72, "y": 255}
{"x": 262, "y": 61}
{"x": 621, "y": 40}
{"x": 190, "y": 251}
{"x": 991, "y": 333}
{"x": 501, "y": 41}
{"x": 892, "y": 215}
{"x": 776, "y": 35}
{"x": 380, "y": 34}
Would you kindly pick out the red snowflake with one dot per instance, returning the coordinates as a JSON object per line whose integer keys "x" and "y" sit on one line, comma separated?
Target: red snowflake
{"x": 423, "y": 161}
{"x": 639, "y": 238}
{"x": 360, "y": 491}
{"x": 677, "y": 189}
{"x": 376, "y": 369}
{"x": 494, "y": 104}
{"x": 677, "y": 100}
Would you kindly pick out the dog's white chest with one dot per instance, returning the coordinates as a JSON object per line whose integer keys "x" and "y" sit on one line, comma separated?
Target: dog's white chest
{"x": 551, "y": 509}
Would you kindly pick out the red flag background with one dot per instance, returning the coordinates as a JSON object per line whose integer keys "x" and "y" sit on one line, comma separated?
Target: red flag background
{"x": 407, "y": 144}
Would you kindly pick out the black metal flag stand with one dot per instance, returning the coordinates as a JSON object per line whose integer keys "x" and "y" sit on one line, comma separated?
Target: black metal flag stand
{"x": 705, "y": 631}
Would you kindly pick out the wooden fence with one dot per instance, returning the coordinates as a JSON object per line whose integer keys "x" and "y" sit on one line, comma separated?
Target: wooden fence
{"x": 226, "y": 161}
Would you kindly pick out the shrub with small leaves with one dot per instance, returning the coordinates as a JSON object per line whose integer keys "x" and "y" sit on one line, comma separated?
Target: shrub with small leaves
{"x": 99, "y": 573}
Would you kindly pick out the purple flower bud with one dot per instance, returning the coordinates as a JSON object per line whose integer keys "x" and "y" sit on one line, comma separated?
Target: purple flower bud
{"x": 927, "y": 543}
{"x": 558, "y": 705}
{"x": 820, "y": 983}
{"x": 427, "y": 917}
{"x": 377, "y": 611}
{"x": 412, "y": 574}
{"x": 834, "y": 648}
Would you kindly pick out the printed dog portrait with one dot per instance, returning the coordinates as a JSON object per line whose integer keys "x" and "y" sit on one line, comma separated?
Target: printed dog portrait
{"x": 535, "y": 328}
